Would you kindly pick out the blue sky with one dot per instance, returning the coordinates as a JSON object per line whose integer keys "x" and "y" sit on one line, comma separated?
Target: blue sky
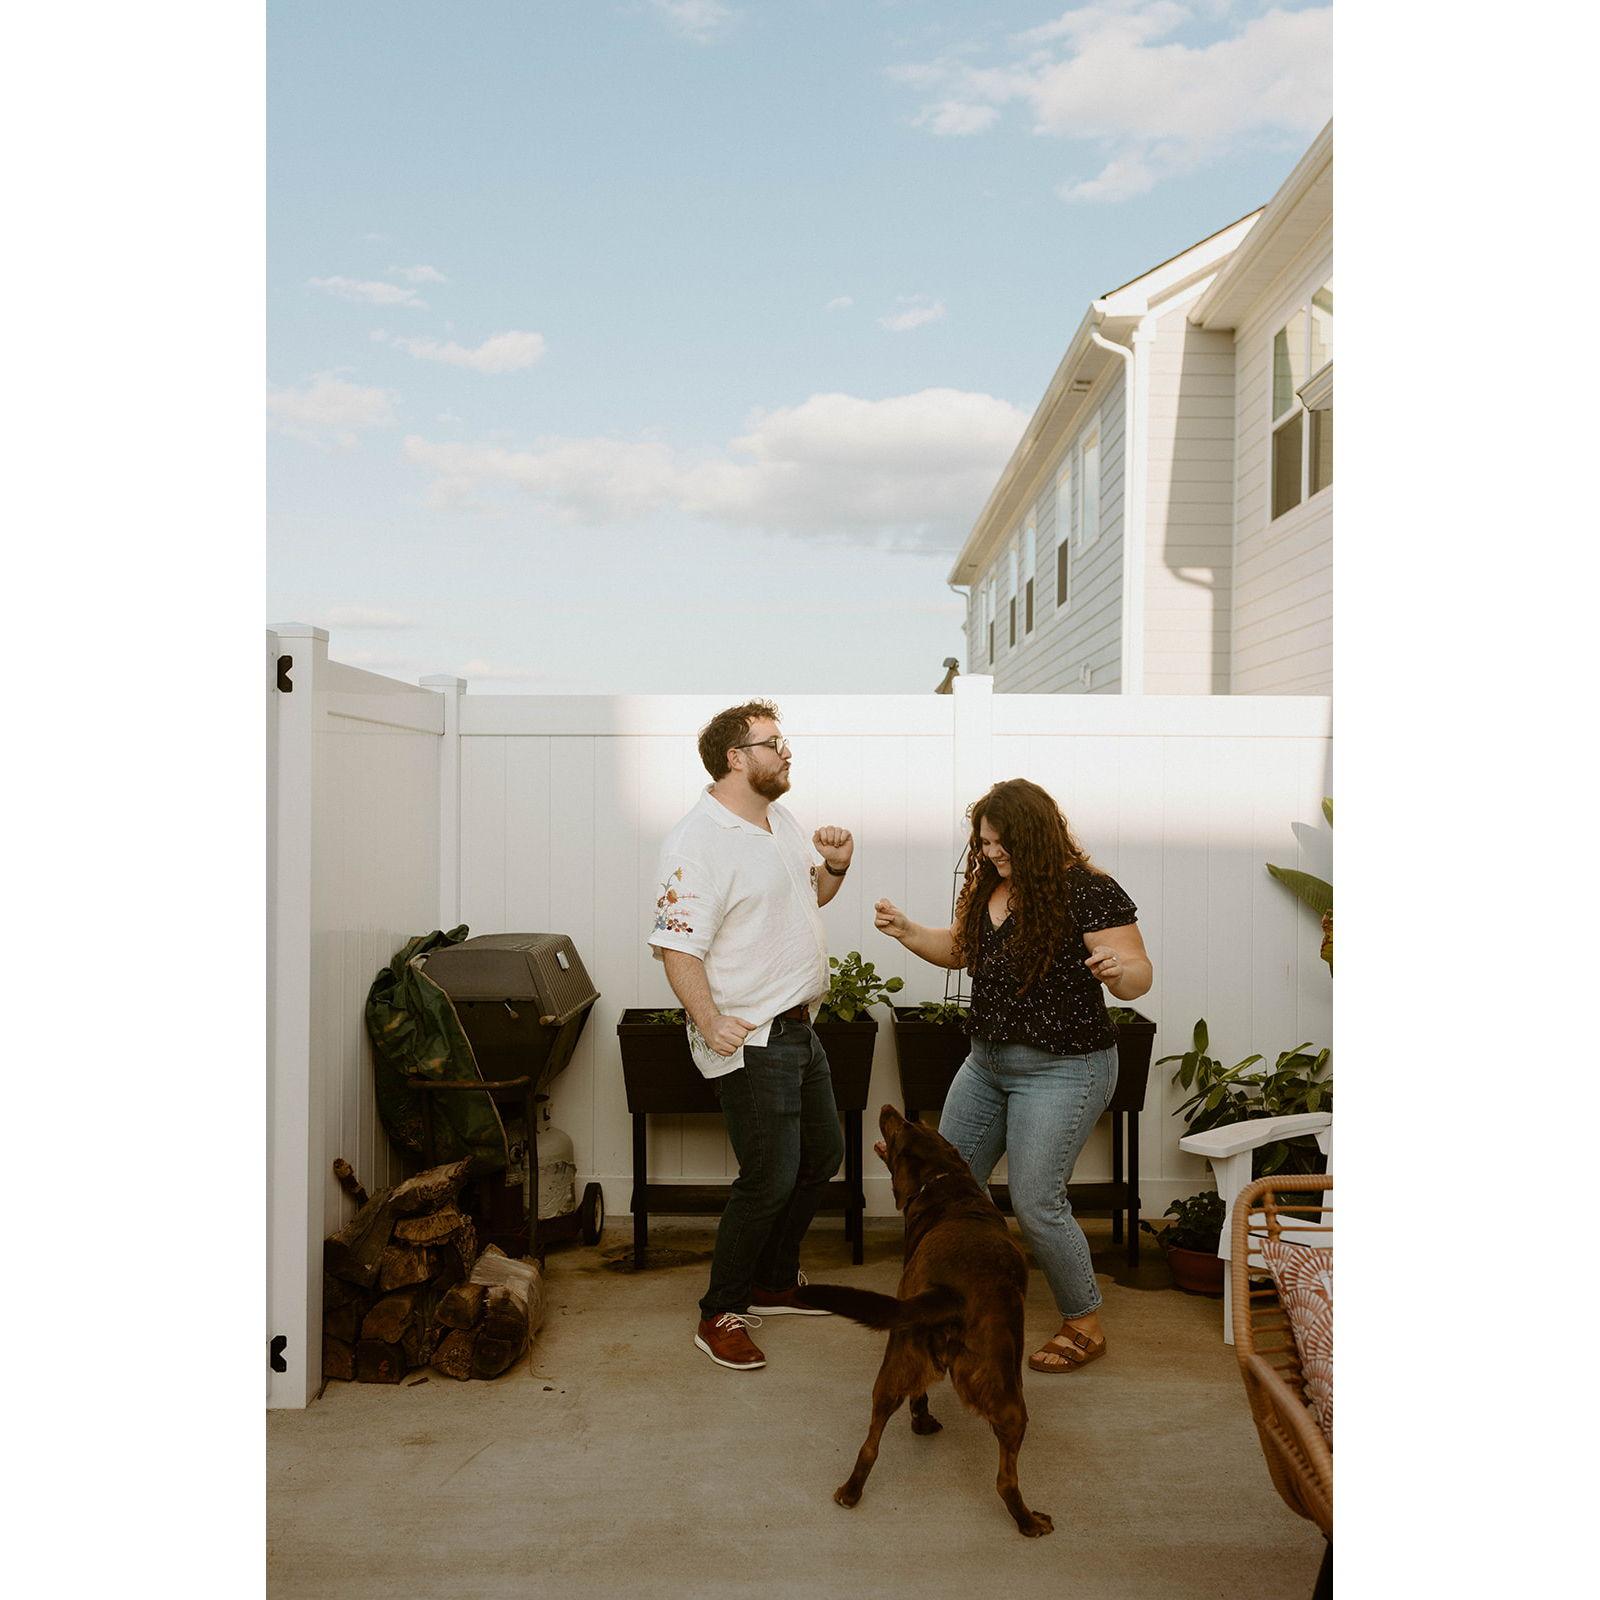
{"x": 674, "y": 345}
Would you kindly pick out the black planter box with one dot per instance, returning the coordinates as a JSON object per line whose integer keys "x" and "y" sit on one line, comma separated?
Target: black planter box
{"x": 661, "y": 1079}
{"x": 930, "y": 1054}
{"x": 659, "y": 1074}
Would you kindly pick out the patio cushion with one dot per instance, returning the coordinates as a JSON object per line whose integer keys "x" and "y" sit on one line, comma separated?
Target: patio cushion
{"x": 1304, "y": 1276}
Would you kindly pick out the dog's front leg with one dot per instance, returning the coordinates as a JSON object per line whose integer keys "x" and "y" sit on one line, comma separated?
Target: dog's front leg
{"x": 887, "y": 1398}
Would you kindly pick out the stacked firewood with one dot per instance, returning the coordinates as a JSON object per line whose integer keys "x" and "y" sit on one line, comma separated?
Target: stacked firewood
{"x": 404, "y": 1286}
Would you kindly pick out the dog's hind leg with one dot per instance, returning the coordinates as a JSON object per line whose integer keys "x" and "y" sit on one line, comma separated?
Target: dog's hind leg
{"x": 888, "y": 1395}
{"x": 1010, "y": 1422}
{"x": 923, "y": 1420}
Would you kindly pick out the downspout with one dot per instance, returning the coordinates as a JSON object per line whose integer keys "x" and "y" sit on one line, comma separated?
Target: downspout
{"x": 1135, "y": 366}
{"x": 967, "y": 596}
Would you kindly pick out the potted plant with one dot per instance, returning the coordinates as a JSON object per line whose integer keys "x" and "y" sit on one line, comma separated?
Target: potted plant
{"x": 1190, "y": 1241}
{"x": 1299, "y": 1081}
{"x": 1313, "y": 892}
{"x": 846, "y": 1027}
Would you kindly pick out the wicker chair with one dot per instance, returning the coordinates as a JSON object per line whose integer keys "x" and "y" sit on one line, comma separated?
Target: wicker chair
{"x": 1298, "y": 1456}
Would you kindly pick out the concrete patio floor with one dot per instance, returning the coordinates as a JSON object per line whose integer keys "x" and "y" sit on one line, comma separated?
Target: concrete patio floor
{"x": 620, "y": 1461}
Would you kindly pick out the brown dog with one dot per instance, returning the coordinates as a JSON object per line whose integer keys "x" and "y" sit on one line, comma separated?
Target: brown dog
{"x": 959, "y": 1308}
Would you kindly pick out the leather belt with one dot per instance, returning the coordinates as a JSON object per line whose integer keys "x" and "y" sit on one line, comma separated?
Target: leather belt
{"x": 793, "y": 1014}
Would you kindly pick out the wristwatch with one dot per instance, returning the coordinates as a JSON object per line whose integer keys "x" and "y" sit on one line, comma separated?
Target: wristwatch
{"x": 831, "y": 873}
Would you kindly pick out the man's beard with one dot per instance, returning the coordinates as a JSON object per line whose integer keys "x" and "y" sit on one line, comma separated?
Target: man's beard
{"x": 770, "y": 785}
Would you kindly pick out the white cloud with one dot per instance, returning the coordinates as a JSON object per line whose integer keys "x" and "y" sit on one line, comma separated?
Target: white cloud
{"x": 367, "y": 617}
{"x": 369, "y": 293}
{"x": 1120, "y": 179}
{"x": 695, "y": 19}
{"x": 909, "y": 472}
{"x": 1113, "y": 76}
{"x": 840, "y": 302}
{"x": 912, "y": 311}
{"x": 328, "y": 410}
{"x": 500, "y": 352}
{"x": 954, "y": 118}
{"x": 418, "y": 274}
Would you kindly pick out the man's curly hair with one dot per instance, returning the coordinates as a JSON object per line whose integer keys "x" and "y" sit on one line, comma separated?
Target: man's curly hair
{"x": 729, "y": 728}
{"x": 1043, "y": 851}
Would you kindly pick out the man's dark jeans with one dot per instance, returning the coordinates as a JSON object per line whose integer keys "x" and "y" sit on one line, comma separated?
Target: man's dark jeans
{"x": 784, "y": 1127}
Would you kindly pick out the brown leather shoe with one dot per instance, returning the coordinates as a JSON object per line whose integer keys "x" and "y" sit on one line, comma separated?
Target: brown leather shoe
{"x": 725, "y": 1341}
{"x": 783, "y": 1302}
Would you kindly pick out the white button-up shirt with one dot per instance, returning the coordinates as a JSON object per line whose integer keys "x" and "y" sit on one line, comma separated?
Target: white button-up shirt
{"x": 744, "y": 900}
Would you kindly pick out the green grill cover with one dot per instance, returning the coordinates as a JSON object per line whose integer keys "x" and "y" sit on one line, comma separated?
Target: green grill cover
{"x": 416, "y": 1033}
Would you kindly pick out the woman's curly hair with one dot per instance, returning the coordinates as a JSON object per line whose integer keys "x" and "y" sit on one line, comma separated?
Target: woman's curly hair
{"x": 1043, "y": 851}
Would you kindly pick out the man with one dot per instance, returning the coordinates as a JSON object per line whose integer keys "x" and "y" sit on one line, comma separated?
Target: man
{"x": 739, "y": 930}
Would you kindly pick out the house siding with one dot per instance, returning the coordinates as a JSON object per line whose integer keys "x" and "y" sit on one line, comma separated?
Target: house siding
{"x": 1089, "y": 631}
{"x": 1283, "y": 569}
{"x": 1188, "y": 565}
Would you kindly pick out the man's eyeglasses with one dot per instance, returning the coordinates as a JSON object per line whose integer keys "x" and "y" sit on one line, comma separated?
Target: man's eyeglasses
{"x": 779, "y": 747}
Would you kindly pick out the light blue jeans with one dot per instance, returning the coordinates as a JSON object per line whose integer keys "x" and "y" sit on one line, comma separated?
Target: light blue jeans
{"x": 1037, "y": 1110}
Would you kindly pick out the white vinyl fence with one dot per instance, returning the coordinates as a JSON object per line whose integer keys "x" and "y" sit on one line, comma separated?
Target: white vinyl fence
{"x": 400, "y": 809}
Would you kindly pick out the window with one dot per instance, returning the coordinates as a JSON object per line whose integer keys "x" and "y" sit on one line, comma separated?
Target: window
{"x": 1030, "y": 554}
{"x": 1302, "y": 403}
{"x": 1089, "y": 523}
{"x": 1011, "y": 593}
{"x": 1063, "y": 536}
{"x": 988, "y": 616}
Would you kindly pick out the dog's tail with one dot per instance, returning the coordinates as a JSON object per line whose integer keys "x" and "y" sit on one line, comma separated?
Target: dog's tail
{"x": 938, "y": 1304}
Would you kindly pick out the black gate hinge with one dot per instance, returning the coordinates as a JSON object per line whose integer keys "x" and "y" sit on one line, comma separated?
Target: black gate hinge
{"x": 284, "y": 663}
{"x": 280, "y": 1342}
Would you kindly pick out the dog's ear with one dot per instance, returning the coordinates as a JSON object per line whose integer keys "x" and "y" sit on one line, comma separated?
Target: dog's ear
{"x": 903, "y": 1176}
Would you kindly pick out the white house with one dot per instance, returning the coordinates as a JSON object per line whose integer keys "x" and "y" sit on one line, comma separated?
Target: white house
{"x": 1165, "y": 525}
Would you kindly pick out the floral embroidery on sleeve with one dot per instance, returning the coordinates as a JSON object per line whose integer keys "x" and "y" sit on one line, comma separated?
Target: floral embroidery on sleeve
{"x": 670, "y": 907}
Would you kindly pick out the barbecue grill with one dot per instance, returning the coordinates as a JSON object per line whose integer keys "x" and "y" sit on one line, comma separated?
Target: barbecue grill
{"x": 522, "y": 1000}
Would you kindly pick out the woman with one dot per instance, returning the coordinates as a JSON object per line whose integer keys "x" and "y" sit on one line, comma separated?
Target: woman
{"x": 1043, "y": 1062}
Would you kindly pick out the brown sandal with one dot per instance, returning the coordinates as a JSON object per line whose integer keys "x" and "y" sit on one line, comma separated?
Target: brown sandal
{"x": 1072, "y": 1350}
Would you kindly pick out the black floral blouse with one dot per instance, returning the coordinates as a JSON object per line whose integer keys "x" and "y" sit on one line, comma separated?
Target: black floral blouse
{"x": 1064, "y": 1011}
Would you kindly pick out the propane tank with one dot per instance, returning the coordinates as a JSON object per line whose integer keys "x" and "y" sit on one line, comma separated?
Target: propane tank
{"x": 558, "y": 1170}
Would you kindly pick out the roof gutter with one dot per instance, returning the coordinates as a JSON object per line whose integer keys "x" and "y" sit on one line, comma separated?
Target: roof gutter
{"x": 1052, "y": 396}
{"x": 1136, "y": 371}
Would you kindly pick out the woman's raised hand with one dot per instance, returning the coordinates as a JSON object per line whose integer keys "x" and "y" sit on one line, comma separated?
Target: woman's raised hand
{"x": 888, "y": 918}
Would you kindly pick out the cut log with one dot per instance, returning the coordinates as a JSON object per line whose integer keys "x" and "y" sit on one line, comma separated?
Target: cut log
{"x": 505, "y": 1316}
{"x": 338, "y": 1358}
{"x": 429, "y": 1190}
{"x": 421, "y": 1339}
{"x": 433, "y": 1227}
{"x": 343, "y": 1322}
{"x": 402, "y": 1265}
{"x": 377, "y": 1362}
{"x": 524, "y": 1280}
{"x": 462, "y": 1306}
{"x": 454, "y": 1258}
{"x": 390, "y": 1318}
{"x": 355, "y": 1252}
{"x": 491, "y": 1357}
{"x": 343, "y": 1171}
{"x": 453, "y": 1357}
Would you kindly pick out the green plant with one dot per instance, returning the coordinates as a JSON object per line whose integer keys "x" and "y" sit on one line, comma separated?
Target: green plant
{"x": 1197, "y": 1224}
{"x": 943, "y": 1011}
{"x": 854, "y": 989}
{"x": 1298, "y": 1082}
{"x": 1121, "y": 1014}
{"x": 672, "y": 1016}
{"x": 1312, "y": 891}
